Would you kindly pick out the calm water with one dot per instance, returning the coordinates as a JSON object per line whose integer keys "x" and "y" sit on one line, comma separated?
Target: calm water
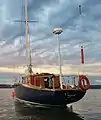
{"x": 89, "y": 108}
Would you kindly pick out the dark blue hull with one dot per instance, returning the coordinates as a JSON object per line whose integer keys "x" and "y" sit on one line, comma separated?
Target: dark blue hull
{"x": 48, "y": 97}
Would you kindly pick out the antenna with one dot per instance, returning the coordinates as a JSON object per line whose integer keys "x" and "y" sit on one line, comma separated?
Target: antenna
{"x": 58, "y": 31}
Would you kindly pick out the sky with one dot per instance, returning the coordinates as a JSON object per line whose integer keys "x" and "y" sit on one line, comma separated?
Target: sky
{"x": 78, "y": 30}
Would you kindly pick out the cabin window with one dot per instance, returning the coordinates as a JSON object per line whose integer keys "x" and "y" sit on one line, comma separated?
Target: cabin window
{"x": 51, "y": 83}
{"x": 46, "y": 81}
{"x": 46, "y": 78}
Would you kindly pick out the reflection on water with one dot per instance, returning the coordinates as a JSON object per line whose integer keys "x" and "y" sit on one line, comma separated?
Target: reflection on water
{"x": 29, "y": 112}
{"x": 89, "y": 108}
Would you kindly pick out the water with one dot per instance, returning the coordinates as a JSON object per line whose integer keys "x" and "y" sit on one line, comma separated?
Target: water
{"x": 89, "y": 108}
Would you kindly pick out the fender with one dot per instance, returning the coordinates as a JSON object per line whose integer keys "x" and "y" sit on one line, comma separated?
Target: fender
{"x": 82, "y": 78}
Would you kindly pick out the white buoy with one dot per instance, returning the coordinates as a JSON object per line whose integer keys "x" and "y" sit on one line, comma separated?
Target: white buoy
{"x": 58, "y": 31}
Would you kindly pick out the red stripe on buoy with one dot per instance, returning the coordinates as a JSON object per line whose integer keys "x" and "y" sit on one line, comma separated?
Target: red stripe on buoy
{"x": 82, "y": 55}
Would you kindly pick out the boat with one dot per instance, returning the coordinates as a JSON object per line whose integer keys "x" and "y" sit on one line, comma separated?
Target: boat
{"x": 48, "y": 89}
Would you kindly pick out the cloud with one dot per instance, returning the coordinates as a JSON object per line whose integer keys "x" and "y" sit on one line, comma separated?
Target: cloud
{"x": 77, "y": 30}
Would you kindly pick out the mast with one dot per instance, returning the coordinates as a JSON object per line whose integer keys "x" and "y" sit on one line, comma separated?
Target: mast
{"x": 26, "y": 21}
{"x": 58, "y": 31}
{"x": 28, "y": 50}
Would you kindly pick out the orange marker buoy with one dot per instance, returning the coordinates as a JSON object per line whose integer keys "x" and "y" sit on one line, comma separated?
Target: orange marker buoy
{"x": 13, "y": 94}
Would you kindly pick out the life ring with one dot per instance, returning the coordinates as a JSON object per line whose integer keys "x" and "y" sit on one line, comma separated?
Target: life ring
{"x": 82, "y": 78}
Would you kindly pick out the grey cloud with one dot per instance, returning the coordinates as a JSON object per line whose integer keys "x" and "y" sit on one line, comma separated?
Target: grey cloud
{"x": 84, "y": 30}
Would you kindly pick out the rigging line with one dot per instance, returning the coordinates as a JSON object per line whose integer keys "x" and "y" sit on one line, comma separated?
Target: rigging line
{"x": 21, "y": 27}
{"x": 30, "y": 50}
{"x": 55, "y": 53}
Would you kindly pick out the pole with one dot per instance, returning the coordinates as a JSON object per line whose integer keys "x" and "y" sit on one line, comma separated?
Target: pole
{"x": 80, "y": 10}
{"x": 26, "y": 21}
{"x": 82, "y": 53}
{"x": 59, "y": 59}
{"x": 82, "y": 59}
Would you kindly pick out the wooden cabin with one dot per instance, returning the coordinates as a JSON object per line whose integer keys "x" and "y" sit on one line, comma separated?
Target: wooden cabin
{"x": 45, "y": 80}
